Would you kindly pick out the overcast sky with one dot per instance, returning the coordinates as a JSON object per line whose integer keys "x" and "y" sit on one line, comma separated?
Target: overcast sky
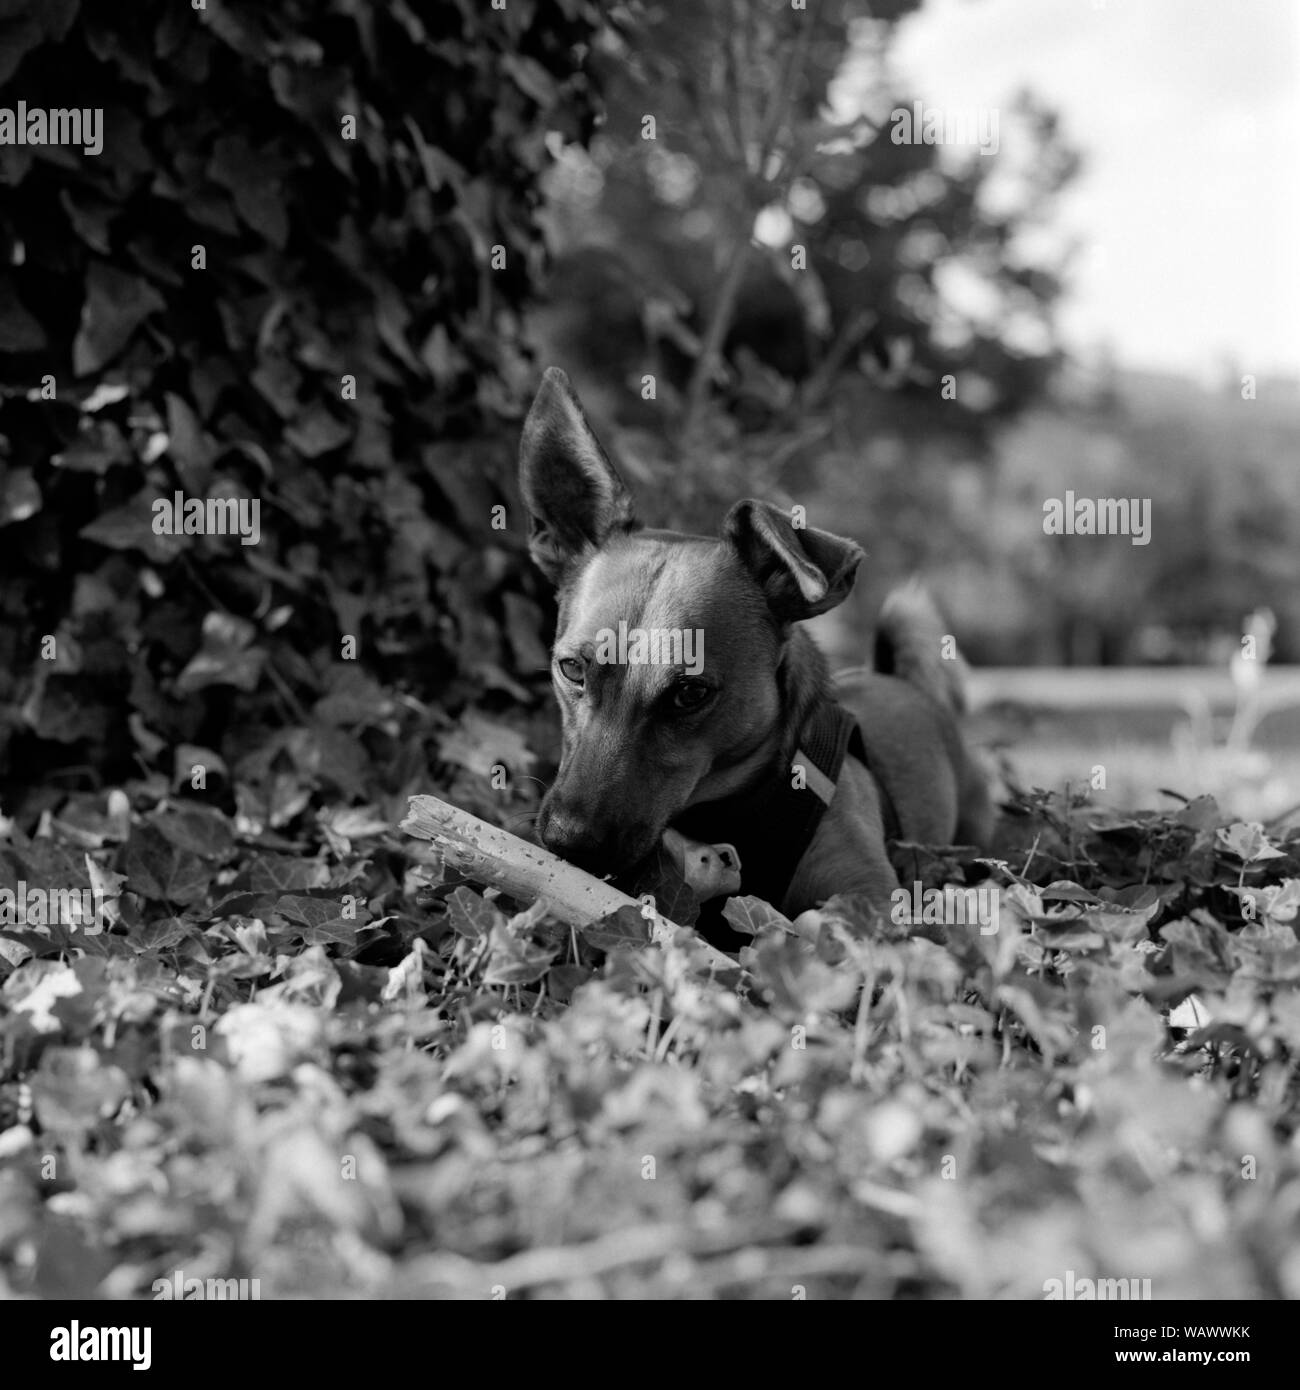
{"x": 1188, "y": 115}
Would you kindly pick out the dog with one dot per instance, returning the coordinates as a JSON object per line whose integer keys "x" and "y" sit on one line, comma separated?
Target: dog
{"x": 692, "y": 699}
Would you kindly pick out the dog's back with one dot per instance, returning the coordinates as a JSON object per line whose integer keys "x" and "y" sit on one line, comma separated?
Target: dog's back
{"x": 915, "y": 747}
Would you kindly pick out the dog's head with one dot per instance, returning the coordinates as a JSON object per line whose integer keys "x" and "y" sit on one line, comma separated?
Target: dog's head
{"x": 668, "y": 646}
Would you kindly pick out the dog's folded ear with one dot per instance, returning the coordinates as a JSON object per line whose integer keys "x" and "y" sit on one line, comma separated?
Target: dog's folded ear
{"x": 574, "y": 497}
{"x": 801, "y": 571}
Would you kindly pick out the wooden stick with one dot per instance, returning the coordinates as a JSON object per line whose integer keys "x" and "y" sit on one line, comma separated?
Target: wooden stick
{"x": 504, "y": 861}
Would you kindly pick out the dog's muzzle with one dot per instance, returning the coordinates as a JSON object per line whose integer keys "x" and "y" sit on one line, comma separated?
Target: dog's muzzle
{"x": 599, "y": 848}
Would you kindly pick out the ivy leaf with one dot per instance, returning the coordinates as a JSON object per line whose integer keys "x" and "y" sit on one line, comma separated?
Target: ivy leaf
{"x": 157, "y": 869}
{"x": 471, "y": 916}
{"x": 20, "y": 497}
{"x": 227, "y": 657}
{"x": 478, "y": 745}
{"x": 1203, "y": 952}
{"x": 201, "y": 830}
{"x": 515, "y": 960}
{"x": 98, "y": 446}
{"x": 321, "y": 919}
{"x": 1201, "y": 814}
{"x": 1247, "y": 840}
{"x": 658, "y": 876}
{"x": 191, "y": 449}
{"x": 1063, "y": 891}
{"x": 130, "y": 527}
{"x": 254, "y": 180}
{"x": 752, "y": 916}
{"x": 20, "y": 329}
{"x": 73, "y": 1090}
{"x": 117, "y": 303}
{"x": 162, "y": 934}
{"x": 317, "y": 432}
{"x": 283, "y": 873}
{"x": 624, "y": 928}
{"x": 531, "y": 78}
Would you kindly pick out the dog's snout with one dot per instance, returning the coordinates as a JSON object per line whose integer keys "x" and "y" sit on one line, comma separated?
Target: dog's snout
{"x": 572, "y": 838}
{"x": 593, "y": 843}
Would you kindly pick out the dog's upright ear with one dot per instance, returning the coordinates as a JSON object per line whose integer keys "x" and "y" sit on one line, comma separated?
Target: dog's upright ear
{"x": 801, "y": 571}
{"x": 574, "y": 497}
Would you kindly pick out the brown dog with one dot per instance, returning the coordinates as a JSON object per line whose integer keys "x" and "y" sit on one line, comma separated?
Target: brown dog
{"x": 691, "y": 698}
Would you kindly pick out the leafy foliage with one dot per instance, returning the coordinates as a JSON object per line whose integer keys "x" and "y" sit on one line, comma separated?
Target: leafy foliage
{"x": 289, "y": 1045}
{"x": 334, "y": 1068}
{"x": 289, "y": 199}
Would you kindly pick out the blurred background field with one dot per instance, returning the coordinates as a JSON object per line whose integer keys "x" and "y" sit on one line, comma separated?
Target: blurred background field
{"x": 1142, "y": 735}
{"x": 1261, "y": 784}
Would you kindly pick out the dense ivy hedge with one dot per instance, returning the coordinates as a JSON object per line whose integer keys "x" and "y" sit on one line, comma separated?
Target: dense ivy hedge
{"x": 289, "y": 197}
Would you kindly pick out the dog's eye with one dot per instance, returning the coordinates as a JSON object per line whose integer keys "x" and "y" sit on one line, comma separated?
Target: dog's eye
{"x": 692, "y": 696}
{"x": 571, "y": 669}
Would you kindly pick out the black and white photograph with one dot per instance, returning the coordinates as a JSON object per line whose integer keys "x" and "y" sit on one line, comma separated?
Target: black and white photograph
{"x": 649, "y": 652}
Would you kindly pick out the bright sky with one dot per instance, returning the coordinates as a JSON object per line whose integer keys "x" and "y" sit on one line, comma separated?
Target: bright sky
{"x": 1188, "y": 116}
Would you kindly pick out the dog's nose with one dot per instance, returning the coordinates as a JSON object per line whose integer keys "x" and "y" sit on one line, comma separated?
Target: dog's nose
{"x": 574, "y": 839}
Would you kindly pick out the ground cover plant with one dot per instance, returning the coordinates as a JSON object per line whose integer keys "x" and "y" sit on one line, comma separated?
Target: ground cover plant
{"x": 302, "y": 1053}
{"x": 251, "y": 1030}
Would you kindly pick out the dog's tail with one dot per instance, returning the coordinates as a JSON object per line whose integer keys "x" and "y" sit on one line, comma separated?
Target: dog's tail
{"x": 913, "y": 644}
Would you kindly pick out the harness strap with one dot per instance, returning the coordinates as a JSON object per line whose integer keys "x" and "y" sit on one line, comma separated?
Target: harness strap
{"x": 772, "y": 826}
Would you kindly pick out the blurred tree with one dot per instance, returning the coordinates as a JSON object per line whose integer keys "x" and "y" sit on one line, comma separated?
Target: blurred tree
{"x": 778, "y": 239}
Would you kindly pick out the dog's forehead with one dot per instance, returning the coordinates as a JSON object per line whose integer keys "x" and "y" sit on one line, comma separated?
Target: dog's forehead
{"x": 646, "y": 583}
{"x": 662, "y": 582}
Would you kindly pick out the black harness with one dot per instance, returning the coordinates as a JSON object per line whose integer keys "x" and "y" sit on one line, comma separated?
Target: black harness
{"x": 772, "y": 825}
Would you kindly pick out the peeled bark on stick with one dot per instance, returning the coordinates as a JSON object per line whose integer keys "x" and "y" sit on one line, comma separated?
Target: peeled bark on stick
{"x": 506, "y": 862}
